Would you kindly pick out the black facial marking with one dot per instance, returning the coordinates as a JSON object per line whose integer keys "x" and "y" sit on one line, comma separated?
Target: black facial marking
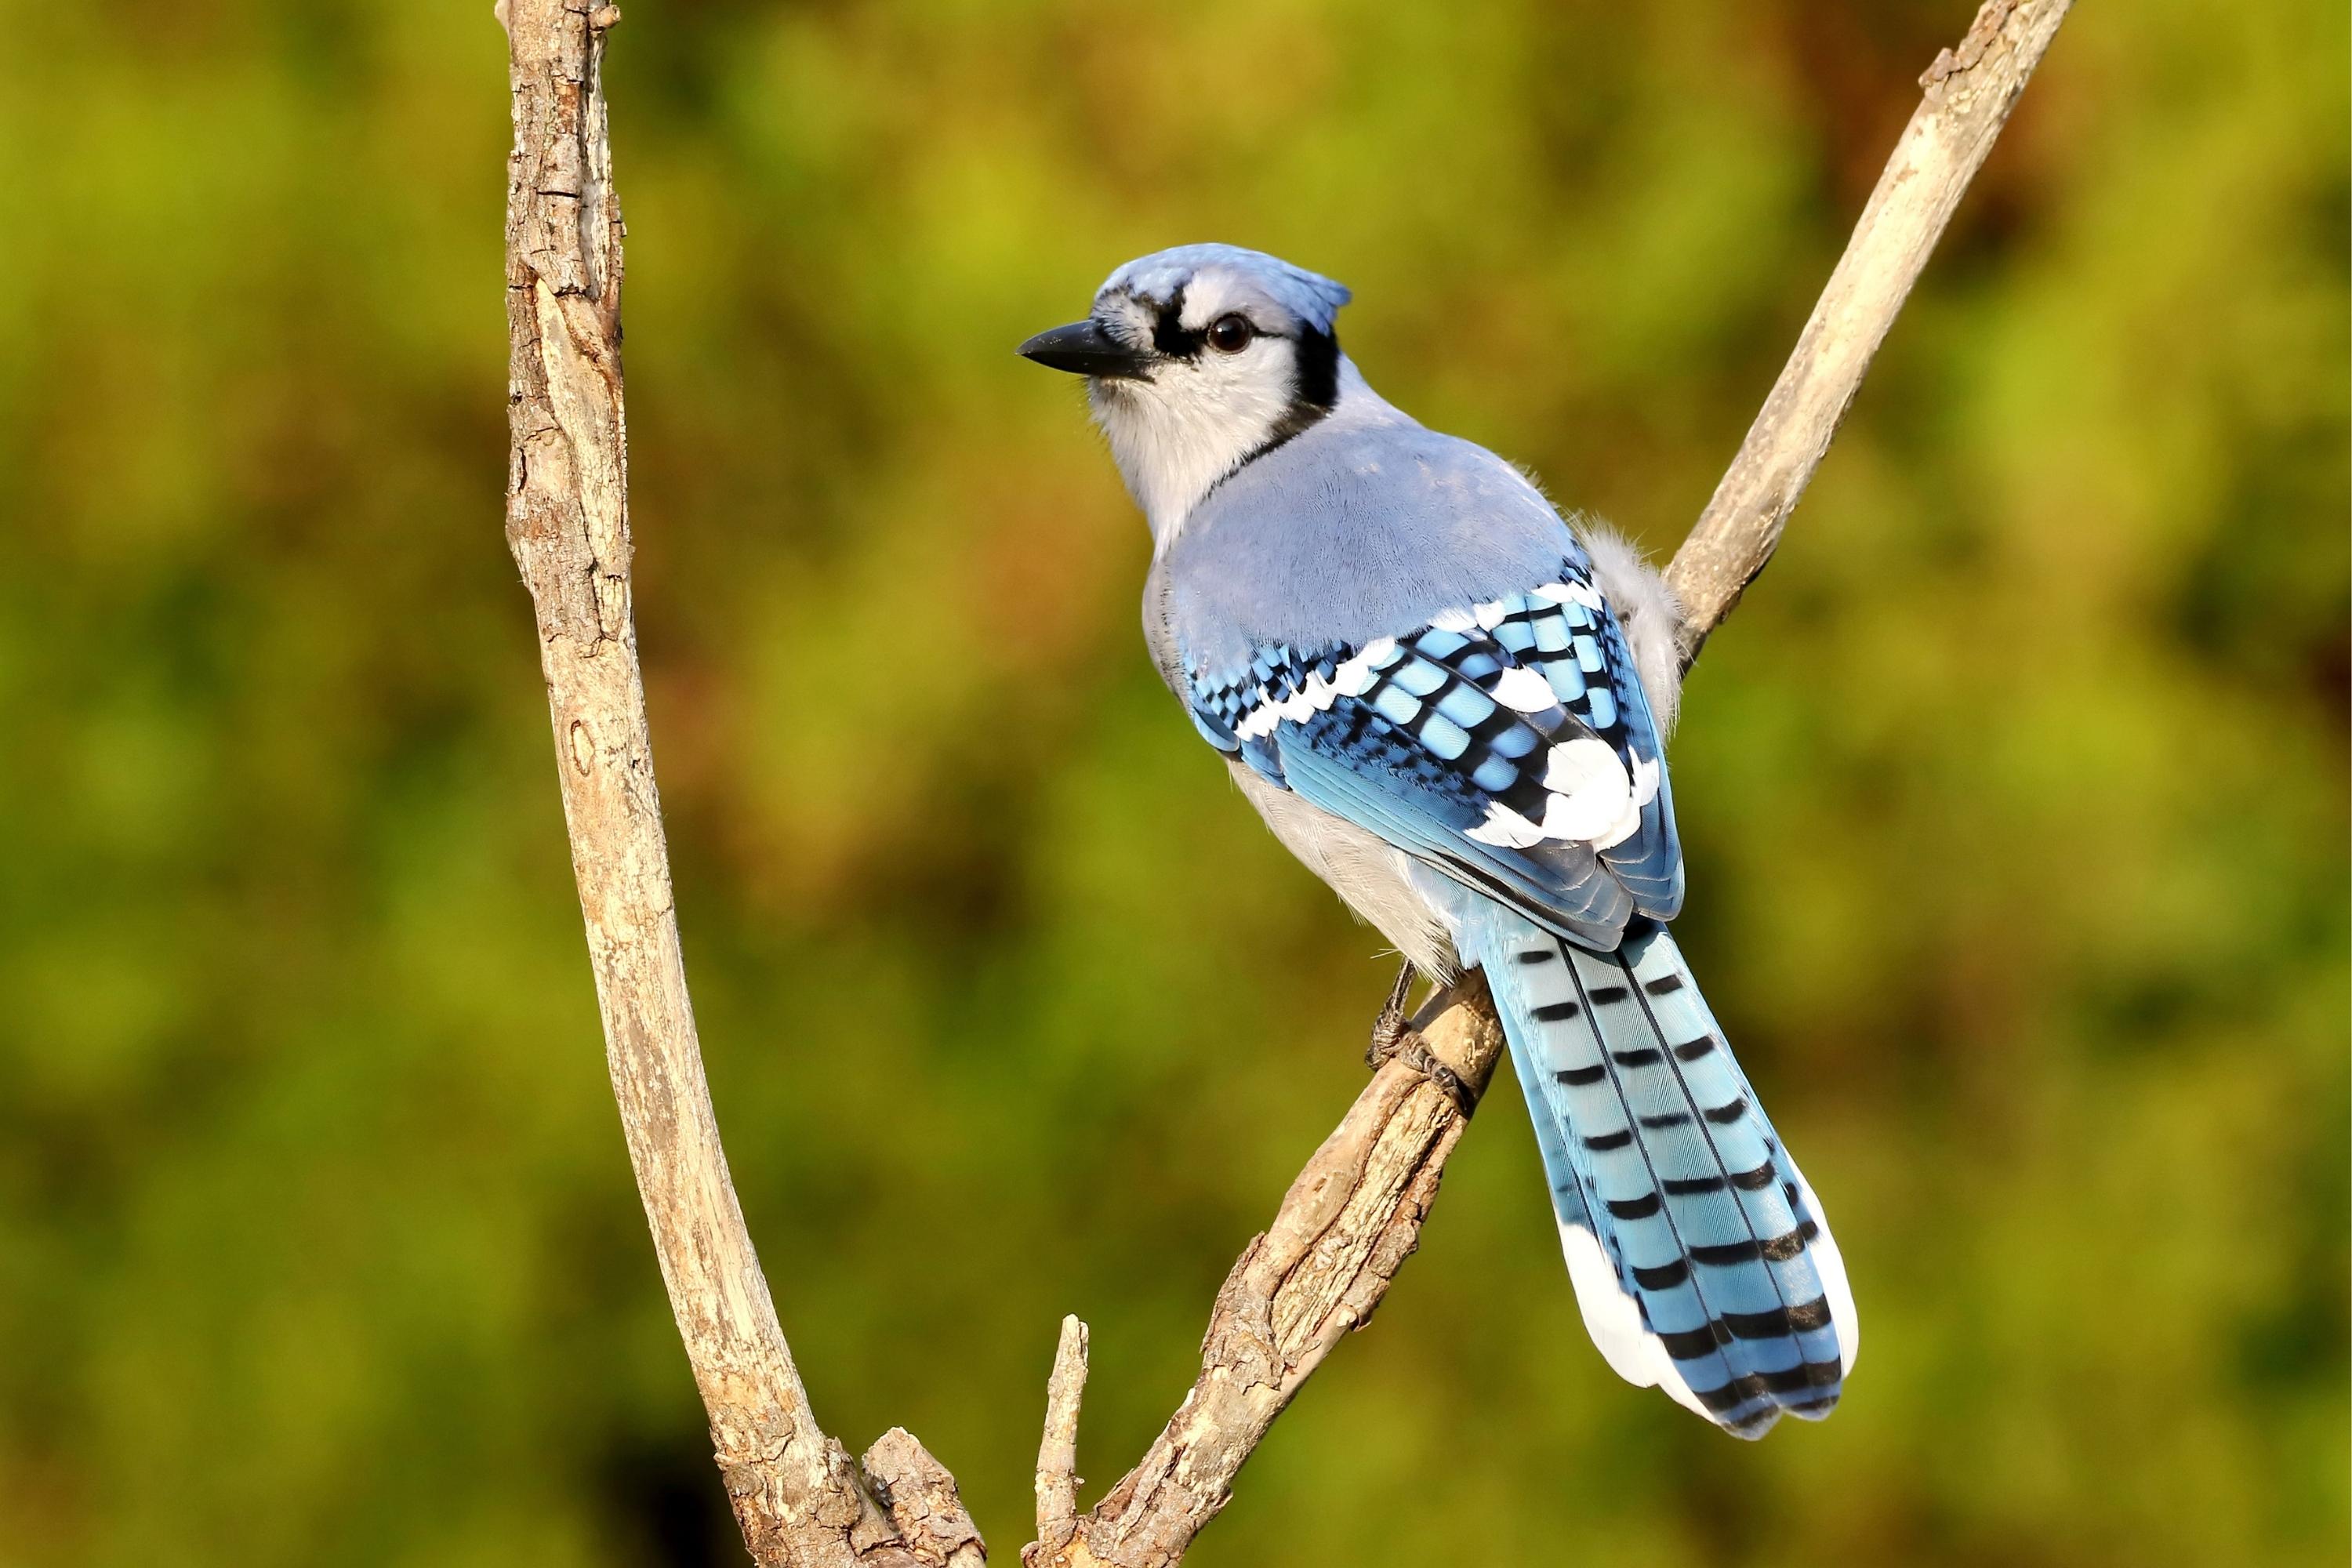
{"x": 1318, "y": 384}
{"x": 1314, "y": 389}
{"x": 1170, "y": 336}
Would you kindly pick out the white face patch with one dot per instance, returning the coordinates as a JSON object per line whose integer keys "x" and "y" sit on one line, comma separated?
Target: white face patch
{"x": 1215, "y": 291}
{"x": 1176, "y": 434}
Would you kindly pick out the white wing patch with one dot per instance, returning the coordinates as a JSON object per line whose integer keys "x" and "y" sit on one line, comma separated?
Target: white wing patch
{"x": 1593, "y": 800}
{"x": 1583, "y": 594}
{"x": 1524, "y": 691}
{"x": 1506, "y": 829}
{"x": 1589, "y": 789}
{"x": 1592, "y": 792}
{"x": 1356, "y": 673}
{"x": 1644, "y": 789}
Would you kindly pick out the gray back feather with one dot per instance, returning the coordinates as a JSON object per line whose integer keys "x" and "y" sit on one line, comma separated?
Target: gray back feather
{"x": 1365, "y": 525}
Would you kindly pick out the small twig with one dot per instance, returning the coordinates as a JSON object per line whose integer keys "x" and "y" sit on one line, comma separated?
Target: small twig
{"x": 1344, "y": 1229}
{"x": 1058, "y": 1453}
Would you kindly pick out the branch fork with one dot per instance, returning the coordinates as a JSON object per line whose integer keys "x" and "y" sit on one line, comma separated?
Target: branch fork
{"x": 1354, "y": 1214}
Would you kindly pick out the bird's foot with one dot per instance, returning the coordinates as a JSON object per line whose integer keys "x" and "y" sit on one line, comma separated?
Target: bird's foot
{"x": 1395, "y": 1039}
{"x": 1394, "y": 1024}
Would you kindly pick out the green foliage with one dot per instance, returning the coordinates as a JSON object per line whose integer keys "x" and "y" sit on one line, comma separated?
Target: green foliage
{"x": 2015, "y": 795}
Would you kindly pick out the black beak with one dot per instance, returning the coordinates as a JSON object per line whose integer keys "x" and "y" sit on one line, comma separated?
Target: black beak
{"x": 1083, "y": 348}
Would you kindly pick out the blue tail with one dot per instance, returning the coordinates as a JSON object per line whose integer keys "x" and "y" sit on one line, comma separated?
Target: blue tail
{"x": 1698, "y": 1253}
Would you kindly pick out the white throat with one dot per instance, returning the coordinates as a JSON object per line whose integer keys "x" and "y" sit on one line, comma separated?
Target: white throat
{"x": 1173, "y": 441}
{"x": 1171, "y": 449}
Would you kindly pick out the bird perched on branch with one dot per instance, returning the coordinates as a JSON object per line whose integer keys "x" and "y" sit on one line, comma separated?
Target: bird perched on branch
{"x": 1452, "y": 706}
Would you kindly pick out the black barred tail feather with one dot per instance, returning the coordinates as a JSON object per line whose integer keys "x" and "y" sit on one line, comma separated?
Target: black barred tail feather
{"x": 1700, "y": 1255}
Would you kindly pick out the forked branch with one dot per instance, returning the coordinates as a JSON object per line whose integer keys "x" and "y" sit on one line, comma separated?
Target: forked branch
{"x": 795, "y": 1492}
{"x": 1355, "y": 1213}
{"x": 1148, "y": 1517}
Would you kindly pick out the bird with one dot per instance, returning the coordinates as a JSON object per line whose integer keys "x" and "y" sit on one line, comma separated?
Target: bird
{"x": 1450, "y": 702}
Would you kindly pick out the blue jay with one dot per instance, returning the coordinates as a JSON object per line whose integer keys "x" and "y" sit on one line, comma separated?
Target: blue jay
{"x": 1453, "y": 708}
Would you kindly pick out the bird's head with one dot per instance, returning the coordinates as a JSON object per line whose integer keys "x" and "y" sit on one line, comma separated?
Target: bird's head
{"x": 1198, "y": 360}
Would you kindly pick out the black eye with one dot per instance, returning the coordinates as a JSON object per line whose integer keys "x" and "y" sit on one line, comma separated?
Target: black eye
{"x": 1231, "y": 334}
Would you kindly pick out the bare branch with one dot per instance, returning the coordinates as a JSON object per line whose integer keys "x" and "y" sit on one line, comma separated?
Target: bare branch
{"x": 1278, "y": 1316}
{"x": 1969, "y": 92}
{"x": 923, "y": 1503}
{"x": 1355, "y": 1213}
{"x": 795, "y": 1492}
{"x": 1344, "y": 1229}
{"x": 1057, "y": 1454}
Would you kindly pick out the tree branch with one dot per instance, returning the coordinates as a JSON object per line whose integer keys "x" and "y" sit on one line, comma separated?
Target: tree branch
{"x": 1969, "y": 92}
{"x": 1344, "y": 1229}
{"x": 1246, "y": 1375}
{"x": 795, "y": 1493}
{"x": 1355, "y": 1213}
{"x": 1057, "y": 1454}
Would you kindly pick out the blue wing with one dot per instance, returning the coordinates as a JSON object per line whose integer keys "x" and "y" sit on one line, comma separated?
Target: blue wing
{"x": 1509, "y": 744}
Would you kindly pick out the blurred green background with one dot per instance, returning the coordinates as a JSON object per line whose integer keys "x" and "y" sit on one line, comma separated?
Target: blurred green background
{"x": 2015, "y": 797}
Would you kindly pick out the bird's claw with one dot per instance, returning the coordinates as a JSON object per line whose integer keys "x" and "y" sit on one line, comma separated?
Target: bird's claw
{"x": 1414, "y": 1052}
{"x": 1395, "y": 1039}
{"x": 1394, "y": 1023}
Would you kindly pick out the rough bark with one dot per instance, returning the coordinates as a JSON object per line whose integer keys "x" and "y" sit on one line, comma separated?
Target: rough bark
{"x": 795, "y": 1492}
{"x": 1319, "y": 1270}
{"x": 1057, "y": 1451}
{"x": 1355, "y": 1213}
